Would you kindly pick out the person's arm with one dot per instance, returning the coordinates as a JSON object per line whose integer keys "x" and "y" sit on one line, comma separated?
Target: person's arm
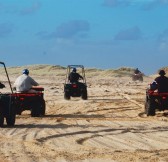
{"x": 33, "y": 82}
{"x": 156, "y": 80}
{"x": 80, "y": 76}
{"x": 15, "y": 84}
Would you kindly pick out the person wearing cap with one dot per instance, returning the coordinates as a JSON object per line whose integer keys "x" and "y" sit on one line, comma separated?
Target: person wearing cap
{"x": 162, "y": 82}
{"x": 24, "y": 83}
{"x": 74, "y": 76}
{"x": 137, "y": 71}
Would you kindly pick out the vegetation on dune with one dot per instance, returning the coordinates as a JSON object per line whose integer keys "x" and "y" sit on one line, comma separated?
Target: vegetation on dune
{"x": 122, "y": 71}
{"x": 35, "y": 69}
{"x": 61, "y": 71}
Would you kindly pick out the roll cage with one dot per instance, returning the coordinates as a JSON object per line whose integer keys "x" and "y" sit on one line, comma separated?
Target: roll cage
{"x": 82, "y": 72}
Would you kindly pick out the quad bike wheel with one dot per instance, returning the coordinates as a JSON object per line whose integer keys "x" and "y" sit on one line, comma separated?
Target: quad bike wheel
{"x": 133, "y": 78}
{"x": 35, "y": 112}
{"x": 141, "y": 79}
{"x": 11, "y": 116}
{"x": 10, "y": 119}
{"x": 1, "y": 120}
{"x": 42, "y": 107}
{"x": 149, "y": 108}
{"x": 84, "y": 95}
{"x": 67, "y": 96}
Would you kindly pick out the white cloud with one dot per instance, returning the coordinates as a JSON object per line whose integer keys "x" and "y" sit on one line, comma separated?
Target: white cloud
{"x": 133, "y": 33}
{"x": 67, "y": 30}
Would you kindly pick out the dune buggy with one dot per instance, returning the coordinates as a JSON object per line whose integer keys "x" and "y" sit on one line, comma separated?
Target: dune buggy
{"x": 155, "y": 101}
{"x": 31, "y": 101}
{"x": 7, "y": 102}
{"x": 75, "y": 89}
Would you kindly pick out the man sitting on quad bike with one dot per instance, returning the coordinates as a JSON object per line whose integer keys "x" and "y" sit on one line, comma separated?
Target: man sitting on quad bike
{"x": 157, "y": 95}
{"x": 137, "y": 75}
{"x": 137, "y": 71}
{"x": 29, "y": 95}
{"x": 74, "y": 76}
{"x": 162, "y": 82}
{"x": 24, "y": 83}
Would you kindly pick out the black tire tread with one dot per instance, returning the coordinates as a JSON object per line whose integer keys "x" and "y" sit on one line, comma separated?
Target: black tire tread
{"x": 149, "y": 107}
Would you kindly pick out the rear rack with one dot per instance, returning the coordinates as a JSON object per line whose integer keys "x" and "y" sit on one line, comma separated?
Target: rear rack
{"x": 153, "y": 93}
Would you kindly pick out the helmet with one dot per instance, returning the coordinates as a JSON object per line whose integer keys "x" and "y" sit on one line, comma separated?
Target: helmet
{"x": 153, "y": 85}
{"x": 25, "y": 71}
{"x": 74, "y": 70}
{"x": 162, "y": 72}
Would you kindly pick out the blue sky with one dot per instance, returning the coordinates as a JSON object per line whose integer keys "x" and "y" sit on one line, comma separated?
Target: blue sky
{"x": 95, "y": 33}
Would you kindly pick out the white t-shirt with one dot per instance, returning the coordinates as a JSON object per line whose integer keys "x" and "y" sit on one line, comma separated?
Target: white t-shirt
{"x": 24, "y": 83}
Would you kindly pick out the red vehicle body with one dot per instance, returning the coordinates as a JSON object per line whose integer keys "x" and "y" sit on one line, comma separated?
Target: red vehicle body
{"x": 12, "y": 103}
{"x": 31, "y": 101}
{"x": 155, "y": 101}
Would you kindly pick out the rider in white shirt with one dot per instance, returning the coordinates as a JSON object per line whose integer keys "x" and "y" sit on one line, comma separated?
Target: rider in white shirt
{"x": 24, "y": 83}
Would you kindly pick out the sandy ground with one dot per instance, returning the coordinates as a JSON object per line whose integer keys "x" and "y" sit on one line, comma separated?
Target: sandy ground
{"x": 110, "y": 126}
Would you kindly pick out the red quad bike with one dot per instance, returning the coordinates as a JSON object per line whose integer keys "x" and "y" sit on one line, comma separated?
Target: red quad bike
{"x": 155, "y": 101}
{"x": 76, "y": 89}
{"x": 137, "y": 77}
{"x": 31, "y": 101}
{"x": 7, "y": 103}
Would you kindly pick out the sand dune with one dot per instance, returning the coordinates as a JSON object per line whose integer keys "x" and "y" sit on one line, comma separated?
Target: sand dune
{"x": 109, "y": 126}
